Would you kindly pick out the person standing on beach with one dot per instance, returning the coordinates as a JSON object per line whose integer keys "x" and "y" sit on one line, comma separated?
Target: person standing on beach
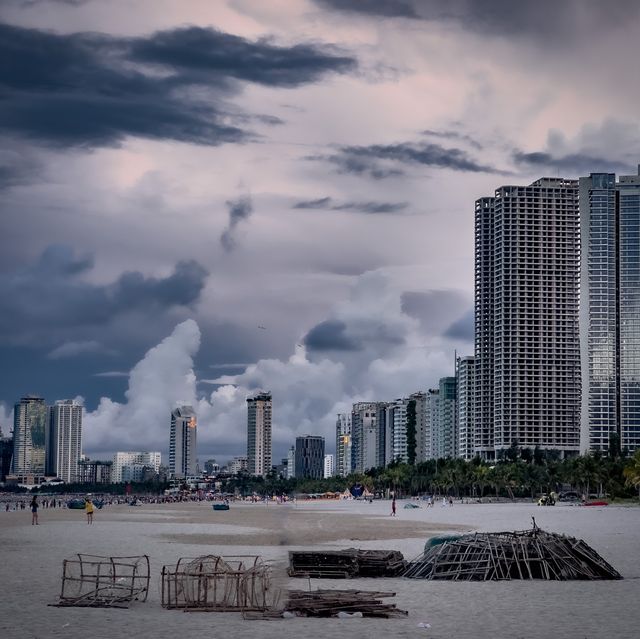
{"x": 88, "y": 506}
{"x": 34, "y": 511}
{"x": 393, "y": 506}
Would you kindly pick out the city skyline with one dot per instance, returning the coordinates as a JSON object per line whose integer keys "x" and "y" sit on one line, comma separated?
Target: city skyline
{"x": 298, "y": 216}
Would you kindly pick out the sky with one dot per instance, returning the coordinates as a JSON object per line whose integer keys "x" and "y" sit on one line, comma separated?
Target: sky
{"x": 201, "y": 199}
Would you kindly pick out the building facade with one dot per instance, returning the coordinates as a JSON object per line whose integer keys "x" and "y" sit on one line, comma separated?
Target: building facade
{"x": 259, "y": 434}
{"x": 610, "y": 312}
{"x": 465, "y": 409}
{"x": 64, "y": 440}
{"x": 124, "y": 459}
{"x": 309, "y": 460}
{"x": 329, "y": 466}
{"x": 94, "y": 471}
{"x": 364, "y": 436}
{"x": 527, "y": 357}
{"x": 183, "y": 442}
{"x": 343, "y": 444}
{"x": 30, "y": 420}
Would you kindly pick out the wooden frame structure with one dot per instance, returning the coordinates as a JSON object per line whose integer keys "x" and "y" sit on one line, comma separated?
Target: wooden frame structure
{"x": 104, "y": 582}
{"x": 211, "y": 582}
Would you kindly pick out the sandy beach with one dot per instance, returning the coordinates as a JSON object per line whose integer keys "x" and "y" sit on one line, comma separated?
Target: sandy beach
{"x": 32, "y": 556}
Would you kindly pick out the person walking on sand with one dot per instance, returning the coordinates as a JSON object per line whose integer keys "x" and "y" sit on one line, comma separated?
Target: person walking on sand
{"x": 393, "y": 506}
{"x": 34, "y": 511}
{"x": 88, "y": 506}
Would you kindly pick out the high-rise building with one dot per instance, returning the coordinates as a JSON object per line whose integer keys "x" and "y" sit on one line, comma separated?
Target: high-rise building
{"x": 432, "y": 417}
{"x": 343, "y": 444}
{"x": 64, "y": 440}
{"x": 364, "y": 436}
{"x": 419, "y": 403}
{"x": 259, "y": 434}
{"x": 124, "y": 459}
{"x": 29, "y": 436}
{"x": 399, "y": 441}
{"x": 329, "y": 466}
{"x": 527, "y": 358}
{"x": 6, "y": 454}
{"x": 183, "y": 455}
{"x": 610, "y": 311}
{"x": 465, "y": 397}
{"x": 446, "y": 433}
{"x": 309, "y": 462}
{"x": 291, "y": 462}
{"x": 211, "y": 467}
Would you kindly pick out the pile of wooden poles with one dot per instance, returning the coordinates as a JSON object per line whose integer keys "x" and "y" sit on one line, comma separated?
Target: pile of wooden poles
{"x": 333, "y": 603}
{"x": 346, "y": 564}
{"x": 529, "y": 554}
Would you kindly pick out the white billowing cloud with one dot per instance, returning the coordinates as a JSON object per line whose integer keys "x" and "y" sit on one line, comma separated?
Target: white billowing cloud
{"x": 308, "y": 388}
{"x": 161, "y": 380}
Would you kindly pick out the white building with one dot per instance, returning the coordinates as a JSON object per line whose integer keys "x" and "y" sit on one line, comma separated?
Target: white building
{"x": 125, "y": 459}
{"x": 465, "y": 398}
{"x": 329, "y": 466}
{"x": 64, "y": 440}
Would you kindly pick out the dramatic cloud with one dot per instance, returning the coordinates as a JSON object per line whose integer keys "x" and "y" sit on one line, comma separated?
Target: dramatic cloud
{"x": 612, "y": 146}
{"x": 330, "y": 336}
{"x": 308, "y": 388}
{"x": 327, "y": 203}
{"x": 383, "y": 8}
{"x": 92, "y": 89}
{"x": 379, "y": 161}
{"x": 239, "y": 210}
{"x": 51, "y": 294}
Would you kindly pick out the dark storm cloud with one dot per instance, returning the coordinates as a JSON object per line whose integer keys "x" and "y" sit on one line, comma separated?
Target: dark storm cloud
{"x": 379, "y": 161}
{"x": 435, "y": 309}
{"x": 463, "y": 328}
{"x": 330, "y": 336}
{"x": 545, "y": 21}
{"x": 570, "y": 164}
{"x": 206, "y": 54}
{"x": 327, "y": 204}
{"x": 239, "y": 210}
{"x": 50, "y": 295}
{"x": 90, "y": 89}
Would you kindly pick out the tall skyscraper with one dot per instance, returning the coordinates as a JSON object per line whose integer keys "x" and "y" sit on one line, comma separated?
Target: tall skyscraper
{"x": 610, "y": 311}
{"x": 343, "y": 444}
{"x": 309, "y": 460}
{"x": 29, "y": 436}
{"x": 259, "y": 434}
{"x": 465, "y": 397}
{"x": 527, "y": 267}
{"x": 432, "y": 421}
{"x": 183, "y": 442}
{"x": 64, "y": 440}
{"x": 364, "y": 436}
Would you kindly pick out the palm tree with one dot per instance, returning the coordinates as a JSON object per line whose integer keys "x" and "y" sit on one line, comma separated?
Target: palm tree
{"x": 631, "y": 472}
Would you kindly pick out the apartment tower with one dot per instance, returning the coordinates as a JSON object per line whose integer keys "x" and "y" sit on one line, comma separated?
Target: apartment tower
{"x": 527, "y": 350}
{"x": 183, "y": 455}
{"x": 259, "y": 434}
{"x": 610, "y": 312}
{"x": 64, "y": 440}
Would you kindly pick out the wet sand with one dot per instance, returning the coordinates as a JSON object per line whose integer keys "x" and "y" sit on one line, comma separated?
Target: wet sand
{"x": 31, "y": 564}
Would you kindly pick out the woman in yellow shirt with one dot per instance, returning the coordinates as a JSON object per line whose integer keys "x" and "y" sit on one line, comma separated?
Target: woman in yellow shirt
{"x": 88, "y": 506}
